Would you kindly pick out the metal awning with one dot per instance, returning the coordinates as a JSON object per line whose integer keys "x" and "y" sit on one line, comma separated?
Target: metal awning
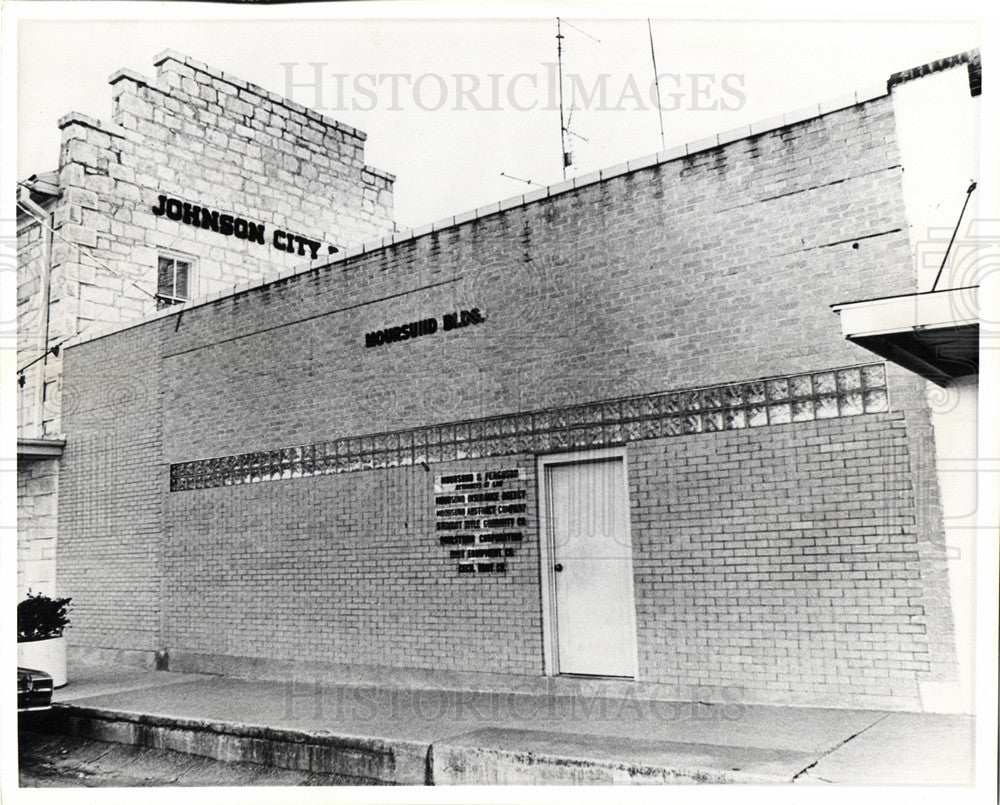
{"x": 935, "y": 334}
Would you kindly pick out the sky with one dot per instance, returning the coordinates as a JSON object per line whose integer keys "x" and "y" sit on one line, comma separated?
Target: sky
{"x": 450, "y": 105}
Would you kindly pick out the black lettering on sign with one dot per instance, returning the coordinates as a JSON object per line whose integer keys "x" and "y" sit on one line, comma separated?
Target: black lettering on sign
{"x": 503, "y": 536}
{"x": 210, "y": 220}
{"x": 404, "y": 332}
{"x": 456, "y": 479}
{"x": 481, "y": 510}
{"x": 484, "y": 552}
{"x": 499, "y": 522}
{"x": 462, "y": 318}
{"x": 491, "y": 533}
{"x": 499, "y": 475}
{"x": 513, "y": 508}
{"x": 237, "y": 226}
{"x": 255, "y": 232}
{"x": 453, "y": 512}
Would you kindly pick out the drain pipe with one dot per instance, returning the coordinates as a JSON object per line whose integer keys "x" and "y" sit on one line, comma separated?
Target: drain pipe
{"x": 45, "y": 219}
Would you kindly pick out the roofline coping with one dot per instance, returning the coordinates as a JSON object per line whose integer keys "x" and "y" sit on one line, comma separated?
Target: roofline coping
{"x": 382, "y": 174}
{"x": 972, "y": 58}
{"x": 93, "y": 123}
{"x": 128, "y": 73}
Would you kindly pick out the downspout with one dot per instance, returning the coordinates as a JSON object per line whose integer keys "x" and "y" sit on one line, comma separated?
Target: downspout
{"x": 45, "y": 219}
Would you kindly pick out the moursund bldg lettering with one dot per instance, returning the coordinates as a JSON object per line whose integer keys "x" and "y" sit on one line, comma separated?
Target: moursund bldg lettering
{"x": 235, "y": 226}
{"x": 416, "y": 329}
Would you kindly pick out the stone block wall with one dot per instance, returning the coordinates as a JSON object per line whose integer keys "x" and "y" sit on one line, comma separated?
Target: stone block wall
{"x": 37, "y": 499}
{"x": 201, "y": 137}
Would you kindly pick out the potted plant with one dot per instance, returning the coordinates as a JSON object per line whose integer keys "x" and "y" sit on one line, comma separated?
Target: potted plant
{"x": 40, "y": 642}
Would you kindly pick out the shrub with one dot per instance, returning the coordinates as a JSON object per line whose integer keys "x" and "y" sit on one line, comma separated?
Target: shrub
{"x": 40, "y": 617}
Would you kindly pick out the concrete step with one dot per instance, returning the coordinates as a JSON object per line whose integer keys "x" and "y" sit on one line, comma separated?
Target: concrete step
{"x": 530, "y": 757}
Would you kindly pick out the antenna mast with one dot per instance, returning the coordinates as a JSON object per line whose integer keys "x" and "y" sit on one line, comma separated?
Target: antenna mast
{"x": 567, "y": 159}
{"x": 656, "y": 80}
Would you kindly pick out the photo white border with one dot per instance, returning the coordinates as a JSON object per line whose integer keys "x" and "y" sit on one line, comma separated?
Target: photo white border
{"x": 15, "y": 11}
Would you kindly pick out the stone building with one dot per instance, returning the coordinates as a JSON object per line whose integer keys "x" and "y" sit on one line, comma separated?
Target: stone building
{"x": 608, "y": 436}
{"x": 200, "y": 182}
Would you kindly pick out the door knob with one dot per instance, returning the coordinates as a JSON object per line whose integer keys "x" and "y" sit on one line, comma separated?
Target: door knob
{"x": 558, "y": 567}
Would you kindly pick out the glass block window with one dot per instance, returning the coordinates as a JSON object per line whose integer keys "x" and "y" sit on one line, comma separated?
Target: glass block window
{"x": 173, "y": 281}
{"x": 806, "y": 397}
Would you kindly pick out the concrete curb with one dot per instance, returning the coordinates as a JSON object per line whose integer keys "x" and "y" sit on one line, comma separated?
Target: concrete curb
{"x": 397, "y": 761}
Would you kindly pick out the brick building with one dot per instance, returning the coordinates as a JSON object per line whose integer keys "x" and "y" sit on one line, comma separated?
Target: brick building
{"x": 607, "y": 436}
{"x": 200, "y": 182}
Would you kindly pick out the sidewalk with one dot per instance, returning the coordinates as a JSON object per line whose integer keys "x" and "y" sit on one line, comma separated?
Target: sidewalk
{"x": 419, "y": 737}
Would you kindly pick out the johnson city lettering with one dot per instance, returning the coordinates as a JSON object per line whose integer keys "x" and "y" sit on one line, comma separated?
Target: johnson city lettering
{"x": 236, "y": 226}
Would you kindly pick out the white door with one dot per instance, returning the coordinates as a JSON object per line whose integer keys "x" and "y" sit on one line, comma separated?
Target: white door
{"x": 590, "y": 562}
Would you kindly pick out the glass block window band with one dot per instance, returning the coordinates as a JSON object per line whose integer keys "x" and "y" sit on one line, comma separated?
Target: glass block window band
{"x": 805, "y": 397}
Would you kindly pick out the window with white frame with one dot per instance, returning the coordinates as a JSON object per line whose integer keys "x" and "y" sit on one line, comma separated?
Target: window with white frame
{"x": 174, "y": 280}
